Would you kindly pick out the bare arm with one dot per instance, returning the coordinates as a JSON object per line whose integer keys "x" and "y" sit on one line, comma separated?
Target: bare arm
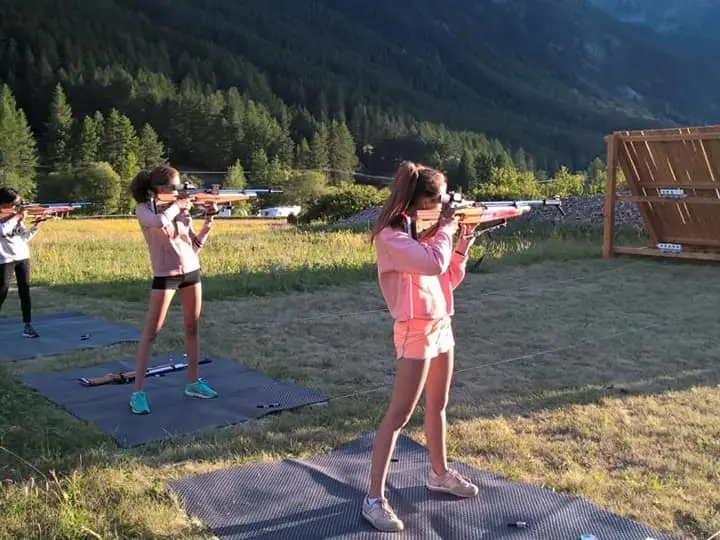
{"x": 199, "y": 239}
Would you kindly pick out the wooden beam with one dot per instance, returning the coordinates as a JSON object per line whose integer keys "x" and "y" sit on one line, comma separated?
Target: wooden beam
{"x": 654, "y": 252}
{"x": 671, "y": 137}
{"x": 609, "y": 214}
{"x": 678, "y": 200}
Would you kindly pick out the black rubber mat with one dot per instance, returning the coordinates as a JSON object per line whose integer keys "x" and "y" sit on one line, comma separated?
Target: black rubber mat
{"x": 321, "y": 498}
{"x": 61, "y": 333}
{"x": 243, "y": 395}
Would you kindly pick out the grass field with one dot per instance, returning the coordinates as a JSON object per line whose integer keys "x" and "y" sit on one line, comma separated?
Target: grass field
{"x": 596, "y": 378}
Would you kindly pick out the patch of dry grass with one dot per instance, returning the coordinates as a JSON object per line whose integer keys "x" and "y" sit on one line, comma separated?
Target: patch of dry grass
{"x": 592, "y": 377}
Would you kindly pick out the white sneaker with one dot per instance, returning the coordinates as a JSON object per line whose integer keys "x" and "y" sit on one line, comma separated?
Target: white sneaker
{"x": 381, "y": 516}
{"x": 452, "y": 482}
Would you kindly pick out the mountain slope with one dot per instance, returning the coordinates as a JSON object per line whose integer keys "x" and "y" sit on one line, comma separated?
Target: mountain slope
{"x": 699, "y": 18}
{"x": 551, "y": 76}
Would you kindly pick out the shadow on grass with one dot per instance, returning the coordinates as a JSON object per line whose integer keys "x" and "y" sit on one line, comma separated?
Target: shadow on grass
{"x": 515, "y": 246}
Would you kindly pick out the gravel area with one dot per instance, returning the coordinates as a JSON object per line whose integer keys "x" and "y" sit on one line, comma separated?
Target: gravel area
{"x": 585, "y": 211}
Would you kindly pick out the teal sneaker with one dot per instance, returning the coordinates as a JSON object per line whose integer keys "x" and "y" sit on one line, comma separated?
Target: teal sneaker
{"x": 200, "y": 389}
{"x": 138, "y": 403}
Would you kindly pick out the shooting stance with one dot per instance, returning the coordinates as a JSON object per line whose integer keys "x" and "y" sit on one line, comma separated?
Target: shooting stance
{"x": 173, "y": 247}
{"x": 417, "y": 279}
{"x": 15, "y": 253}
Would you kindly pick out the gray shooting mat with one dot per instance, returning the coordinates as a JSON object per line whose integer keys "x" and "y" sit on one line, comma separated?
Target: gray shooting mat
{"x": 243, "y": 394}
{"x": 61, "y": 333}
{"x": 321, "y": 498}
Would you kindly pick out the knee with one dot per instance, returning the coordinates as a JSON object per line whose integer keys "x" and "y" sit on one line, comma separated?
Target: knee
{"x": 397, "y": 420}
{"x": 437, "y": 404}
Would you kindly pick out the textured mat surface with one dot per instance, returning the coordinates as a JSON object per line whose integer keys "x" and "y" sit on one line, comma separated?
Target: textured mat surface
{"x": 321, "y": 498}
{"x": 61, "y": 333}
{"x": 244, "y": 394}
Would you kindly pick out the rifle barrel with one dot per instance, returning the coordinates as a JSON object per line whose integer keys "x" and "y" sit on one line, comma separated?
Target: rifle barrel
{"x": 533, "y": 202}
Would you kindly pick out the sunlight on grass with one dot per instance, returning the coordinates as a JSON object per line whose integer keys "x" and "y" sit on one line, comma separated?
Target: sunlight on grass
{"x": 544, "y": 392}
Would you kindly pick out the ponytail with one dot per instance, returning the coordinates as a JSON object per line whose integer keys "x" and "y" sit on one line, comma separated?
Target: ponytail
{"x": 140, "y": 186}
{"x": 146, "y": 180}
{"x": 411, "y": 182}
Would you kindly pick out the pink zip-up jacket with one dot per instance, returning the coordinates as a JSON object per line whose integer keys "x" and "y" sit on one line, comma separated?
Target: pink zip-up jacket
{"x": 417, "y": 279}
{"x": 172, "y": 244}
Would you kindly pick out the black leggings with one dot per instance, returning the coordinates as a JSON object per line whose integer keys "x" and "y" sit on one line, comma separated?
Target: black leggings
{"x": 22, "y": 276}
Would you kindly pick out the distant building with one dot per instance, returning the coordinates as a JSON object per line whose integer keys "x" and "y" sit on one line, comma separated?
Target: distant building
{"x": 280, "y": 211}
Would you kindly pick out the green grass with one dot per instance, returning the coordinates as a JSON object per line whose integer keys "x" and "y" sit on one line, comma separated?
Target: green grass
{"x": 596, "y": 378}
{"x": 109, "y": 258}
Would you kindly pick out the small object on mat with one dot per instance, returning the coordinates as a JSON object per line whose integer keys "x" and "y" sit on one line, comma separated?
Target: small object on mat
{"x": 518, "y": 524}
{"x": 253, "y": 501}
{"x": 60, "y": 331}
{"x": 588, "y": 537}
{"x": 240, "y": 389}
{"x": 268, "y": 405}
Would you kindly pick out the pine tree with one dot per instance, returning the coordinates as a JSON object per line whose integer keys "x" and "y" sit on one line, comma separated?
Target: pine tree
{"x": 259, "y": 167}
{"x": 58, "y": 135}
{"x": 90, "y": 139}
{"x": 120, "y": 149}
{"x": 150, "y": 150}
{"x": 18, "y": 149}
{"x": 235, "y": 178}
{"x": 319, "y": 156}
{"x": 341, "y": 152}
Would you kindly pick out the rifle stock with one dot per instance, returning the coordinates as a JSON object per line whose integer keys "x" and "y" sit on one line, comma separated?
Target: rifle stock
{"x": 482, "y": 212}
{"x": 42, "y": 209}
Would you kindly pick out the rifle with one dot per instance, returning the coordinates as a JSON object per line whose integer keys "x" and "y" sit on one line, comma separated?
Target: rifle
{"x": 125, "y": 377}
{"x": 41, "y": 211}
{"x": 491, "y": 214}
{"x": 204, "y": 196}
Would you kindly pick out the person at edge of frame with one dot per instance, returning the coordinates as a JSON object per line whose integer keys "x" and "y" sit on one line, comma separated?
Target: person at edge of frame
{"x": 417, "y": 280}
{"x": 173, "y": 247}
{"x": 15, "y": 256}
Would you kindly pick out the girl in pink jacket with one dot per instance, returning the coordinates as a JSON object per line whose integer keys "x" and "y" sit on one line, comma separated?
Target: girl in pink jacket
{"x": 173, "y": 247}
{"x": 417, "y": 280}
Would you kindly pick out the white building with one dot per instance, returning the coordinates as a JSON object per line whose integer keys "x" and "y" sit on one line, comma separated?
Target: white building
{"x": 280, "y": 211}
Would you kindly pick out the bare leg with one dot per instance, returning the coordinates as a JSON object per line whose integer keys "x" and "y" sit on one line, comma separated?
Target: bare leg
{"x": 437, "y": 391}
{"x": 191, "y": 298}
{"x": 159, "y": 303}
{"x": 409, "y": 381}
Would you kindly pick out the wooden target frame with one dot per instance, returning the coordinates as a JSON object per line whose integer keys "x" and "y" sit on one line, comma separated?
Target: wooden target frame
{"x": 674, "y": 178}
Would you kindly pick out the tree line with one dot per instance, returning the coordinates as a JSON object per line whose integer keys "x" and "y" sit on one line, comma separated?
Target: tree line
{"x": 94, "y": 156}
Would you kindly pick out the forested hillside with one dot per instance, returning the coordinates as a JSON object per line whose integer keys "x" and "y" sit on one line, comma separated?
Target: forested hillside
{"x": 479, "y": 89}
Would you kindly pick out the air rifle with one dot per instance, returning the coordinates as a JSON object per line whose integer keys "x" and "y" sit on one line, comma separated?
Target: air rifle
{"x": 125, "y": 377}
{"x": 41, "y": 210}
{"x": 204, "y": 196}
{"x": 490, "y": 215}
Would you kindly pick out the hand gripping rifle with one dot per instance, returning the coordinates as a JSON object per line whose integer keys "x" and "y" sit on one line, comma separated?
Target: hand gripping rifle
{"x": 41, "y": 211}
{"x": 205, "y": 196}
{"x": 125, "y": 377}
{"x": 491, "y": 215}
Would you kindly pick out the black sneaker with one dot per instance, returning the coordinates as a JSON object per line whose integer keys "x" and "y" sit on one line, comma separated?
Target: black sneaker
{"x": 29, "y": 332}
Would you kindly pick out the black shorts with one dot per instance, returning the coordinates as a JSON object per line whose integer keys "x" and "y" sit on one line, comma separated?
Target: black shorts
{"x": 176, "y": 282}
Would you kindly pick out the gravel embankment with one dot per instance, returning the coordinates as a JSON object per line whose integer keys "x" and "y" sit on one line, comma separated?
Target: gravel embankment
{"x": 585, "y": 211}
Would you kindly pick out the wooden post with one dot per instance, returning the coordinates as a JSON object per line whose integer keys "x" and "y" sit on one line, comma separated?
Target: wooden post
{"x": 609, "y": 214}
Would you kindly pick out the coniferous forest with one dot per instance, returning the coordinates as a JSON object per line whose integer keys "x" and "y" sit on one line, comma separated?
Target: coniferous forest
{"x": 303, "y": 93}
